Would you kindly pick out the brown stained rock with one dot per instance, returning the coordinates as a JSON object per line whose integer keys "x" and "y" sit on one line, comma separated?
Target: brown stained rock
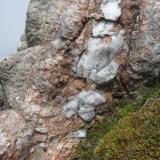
{"x": 38, "y": 154}
{"x": 30, "y": 91}
{"x": 74, "y": 86}
{"x": 62, "y": 150}
{"x": 39, "y": 138}
{"x": 15, "y": 135}
{"x": 130, "y": 10}
{"x": 143, "y": 56}
{"x": 39, "y": 80}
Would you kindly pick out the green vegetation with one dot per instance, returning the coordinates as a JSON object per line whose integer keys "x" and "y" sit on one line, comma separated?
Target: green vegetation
{"x": 131, "y": 132}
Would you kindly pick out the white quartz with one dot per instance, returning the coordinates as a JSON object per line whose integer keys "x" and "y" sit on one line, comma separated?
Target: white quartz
{"x": 78, "y": 134}
{"x": 84, "y": 105}
{"x": 107, "y": 73}
{"x": 99, "y": 59}
{"x": 102, "y": 28}
{"x": 111, "y": 9}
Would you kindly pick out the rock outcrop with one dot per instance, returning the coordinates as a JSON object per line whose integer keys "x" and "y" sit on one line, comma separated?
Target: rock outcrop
{"x": 50, "y": 20}
{"x": 1, "y": 97}
{"x": 74, "y": 54}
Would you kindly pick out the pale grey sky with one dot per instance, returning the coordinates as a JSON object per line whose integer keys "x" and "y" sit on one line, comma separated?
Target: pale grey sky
{"x": 12, "y": 24}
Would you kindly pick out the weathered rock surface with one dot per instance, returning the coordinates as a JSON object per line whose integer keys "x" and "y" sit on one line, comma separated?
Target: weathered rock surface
{"x": 30, "y": 92}
{"x": 23, "y": 43}
{"x": 142, "y": 61}
{"x": 15, "y": 135}
{"x": 78, "y": 51}
{"x": 79, "y": 134}
{"x": 1, "y": 97}
{"x": 49, "y": 20}
{"x": 84, "y": 104}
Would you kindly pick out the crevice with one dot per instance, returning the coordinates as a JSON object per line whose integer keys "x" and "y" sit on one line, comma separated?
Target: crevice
{"x": 120, "y": 78}
{"x": 133, "y": 8}
{"x": 4, "y": 105}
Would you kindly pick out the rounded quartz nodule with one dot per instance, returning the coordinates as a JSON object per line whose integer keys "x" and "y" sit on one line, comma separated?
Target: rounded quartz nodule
{"x": 84, "y": 105}
{"x": 111, "y": 9}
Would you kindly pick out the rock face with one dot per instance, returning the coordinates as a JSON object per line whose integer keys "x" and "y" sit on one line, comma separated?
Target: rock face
{"x": 145, "y": 43}
{"x": 73, "y": 54}
{"x": 1, "y": 97}
{"x": 49, "y": 20}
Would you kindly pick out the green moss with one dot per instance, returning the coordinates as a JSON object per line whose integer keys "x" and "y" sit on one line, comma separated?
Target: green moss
{"x": 85, "y": 150}
{"x": 131, "y": 132}
{"x": 135, "y": 136}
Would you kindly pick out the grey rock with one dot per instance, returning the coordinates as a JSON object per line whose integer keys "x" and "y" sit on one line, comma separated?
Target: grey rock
{"x": 78, "y": 134}
{"x": 23, "y": 142}
{"x": 143, "y": 59}
{"x": 87, "y": 112}
{"x": 54, "y": 140}
{"x": 91, "y": 98}
{"x": 84, "y": 105}
{"x": 41, "y": 129}
{"x": 43, "y": 145}
{"x": 48, "y": 20}
{"x": 23, "y": 44}
{"x": 86, "y": 108}
{"x": 69, "y": 113}
{"x": 71, "y": 108}
{"x": 102, "y": 29}
{"x": 108, "y": 73}
{"x": 87, "y": 116}
{"x": 35, "y": 78}
{"x": 146, "y": 61}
